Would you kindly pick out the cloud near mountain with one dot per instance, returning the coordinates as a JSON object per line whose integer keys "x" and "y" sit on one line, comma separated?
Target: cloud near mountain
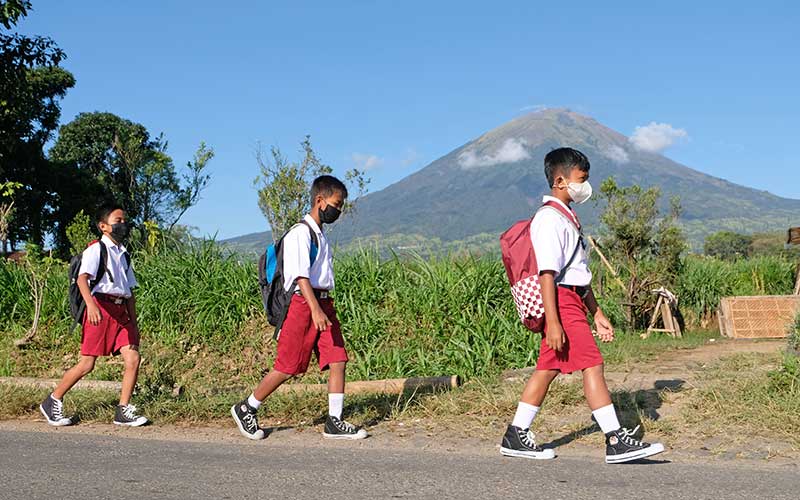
{"x": 656, "y": 137}
{"x": 511, "y": 151}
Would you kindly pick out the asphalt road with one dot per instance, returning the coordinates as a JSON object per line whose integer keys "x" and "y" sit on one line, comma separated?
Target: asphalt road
{"x": 67, "y": 465}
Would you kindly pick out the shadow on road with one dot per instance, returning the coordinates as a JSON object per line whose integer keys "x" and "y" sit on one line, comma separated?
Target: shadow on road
{"x": 631, "y": 406}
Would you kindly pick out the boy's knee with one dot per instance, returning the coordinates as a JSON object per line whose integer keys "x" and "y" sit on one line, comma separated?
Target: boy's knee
{"x": 86, "y": 366}
{"x": 132, "y": 359}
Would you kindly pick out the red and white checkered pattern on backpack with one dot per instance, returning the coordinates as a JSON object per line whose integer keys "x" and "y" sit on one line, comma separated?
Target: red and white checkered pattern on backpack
{"x": 527, "y": 295}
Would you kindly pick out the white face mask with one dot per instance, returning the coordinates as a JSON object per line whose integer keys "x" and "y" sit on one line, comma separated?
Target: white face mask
{"x": 579, "y": 191}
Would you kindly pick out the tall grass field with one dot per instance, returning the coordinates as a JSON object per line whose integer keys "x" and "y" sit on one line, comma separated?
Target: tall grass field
{"x": 202, "y": 321}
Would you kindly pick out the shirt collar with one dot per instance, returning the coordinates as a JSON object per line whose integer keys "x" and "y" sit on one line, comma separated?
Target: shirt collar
{"x": 312, "y": 223}
{"x": 110, "y": 243}
{"x": 547, "y": 198}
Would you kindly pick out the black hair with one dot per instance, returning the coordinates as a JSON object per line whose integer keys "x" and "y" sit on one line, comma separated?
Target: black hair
{"x": 326, "y": 185}
{"x": 105, "y": 211}
{"x": 562, "y": 161}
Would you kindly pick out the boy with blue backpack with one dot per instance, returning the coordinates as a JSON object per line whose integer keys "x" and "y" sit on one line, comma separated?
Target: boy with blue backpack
{"x": 296, "y": 276}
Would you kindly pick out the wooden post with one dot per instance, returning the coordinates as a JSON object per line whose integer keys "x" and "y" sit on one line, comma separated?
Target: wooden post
{"x": 606, "y": 262}
{"x": 797, "y": 281}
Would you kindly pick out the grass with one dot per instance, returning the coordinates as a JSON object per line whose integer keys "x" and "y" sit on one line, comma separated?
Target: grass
{"x": 741, "y": 397}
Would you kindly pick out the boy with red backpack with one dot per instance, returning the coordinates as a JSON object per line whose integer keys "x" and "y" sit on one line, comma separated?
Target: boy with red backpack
{"x": 547, "y": 266}
{"x": 298, "y": 280}
{"x": 102, "y": 300}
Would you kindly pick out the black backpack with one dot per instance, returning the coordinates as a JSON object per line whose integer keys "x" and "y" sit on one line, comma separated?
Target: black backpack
{"x": 77, "y": 305}
{"x": 270, "y": 279}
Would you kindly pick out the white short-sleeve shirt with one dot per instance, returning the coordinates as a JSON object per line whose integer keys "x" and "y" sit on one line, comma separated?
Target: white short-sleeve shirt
{"x": 297, "y": 257}
{"x": 121, "y": 280}
{"x": 554, "y": 240}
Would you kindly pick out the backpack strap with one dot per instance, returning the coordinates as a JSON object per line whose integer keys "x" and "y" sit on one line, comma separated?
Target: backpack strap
{"x": 102, "y": 267}
{"x": 314, "y": 241}
{"x": 570, "y": 215}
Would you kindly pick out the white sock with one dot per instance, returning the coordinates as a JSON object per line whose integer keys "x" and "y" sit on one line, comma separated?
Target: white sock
{"x": 606, "y": 418}
{"x": 525, "y": 415}
{"x": 335, "y": 404}
{"x": 253, "y": 402}
{"x": 51, "y": 395}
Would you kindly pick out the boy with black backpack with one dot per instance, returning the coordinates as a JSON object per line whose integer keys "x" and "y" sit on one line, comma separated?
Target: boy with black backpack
{"x": 101, "y": 299}
{"x": 296, "y": 281}
{"x": 548, "y": 269}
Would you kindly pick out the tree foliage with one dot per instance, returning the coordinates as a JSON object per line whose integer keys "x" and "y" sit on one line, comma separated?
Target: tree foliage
{"x": 284, "y": 186}
{"x": 727, "y": 245}
{"x": 111, "y": 158}
{"x": 31, "y": 84}
{"x": 645, "y": 246}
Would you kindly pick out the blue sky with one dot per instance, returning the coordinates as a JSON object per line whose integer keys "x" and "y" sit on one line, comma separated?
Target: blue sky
{"x": 395, "y": 85}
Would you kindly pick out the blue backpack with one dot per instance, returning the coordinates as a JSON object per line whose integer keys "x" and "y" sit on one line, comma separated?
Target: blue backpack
{"x": 275, "y": 298}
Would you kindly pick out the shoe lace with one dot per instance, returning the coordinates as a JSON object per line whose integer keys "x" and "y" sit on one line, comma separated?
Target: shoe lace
{"x": 58, "y": 409}
{"x": 345, "y": 426}
{"x": 627, "y": 436}
{"x": 130, "y": 412}
{"x": 250, "y": 421}
{"x": 528, "y": 438}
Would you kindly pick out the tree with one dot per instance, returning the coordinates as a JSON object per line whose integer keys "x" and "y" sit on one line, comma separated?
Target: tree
{"x": 31, "y": 84}
{"x": 727, "y": 245}
{"x": 283, "y": 195}
{"x": 116, "y": 159}
{"x": 643, "y": 245}
{"x": 6, "y": 211}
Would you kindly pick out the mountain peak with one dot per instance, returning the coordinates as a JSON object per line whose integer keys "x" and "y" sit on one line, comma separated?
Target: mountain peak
{"x": 551, "y": 126}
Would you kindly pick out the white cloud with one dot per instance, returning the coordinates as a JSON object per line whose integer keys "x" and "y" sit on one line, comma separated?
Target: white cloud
{"x": 656, "y": 137}
{"x": 512, "y": 150}
{"x": 534, "y": 107}
{"x": 366, "y": 161}
{"x": 615, "y": 153}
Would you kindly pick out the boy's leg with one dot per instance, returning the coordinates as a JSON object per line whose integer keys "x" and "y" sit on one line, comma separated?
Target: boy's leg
{"x": 267, "y": 386}
{"x": 132, "y": 359}
{"x": 336, "y": 389}
{"x": 335, "y": 426}
{"x": 126, "y": 413}
{"x": 52, "y": 407}
{"x": 620, "y": 443}
{"x": 73, "y": 375}
{"x": 518, "y": 441}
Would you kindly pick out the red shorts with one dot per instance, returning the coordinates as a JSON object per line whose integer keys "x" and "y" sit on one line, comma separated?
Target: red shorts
{"x": 299, "y": 338}
{"x": 114, "y": 331}
{"x": 580, "y": 350}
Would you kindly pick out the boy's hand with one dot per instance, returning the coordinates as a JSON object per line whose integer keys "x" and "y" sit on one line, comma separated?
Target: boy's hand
{"x": 604, "y": 329}
{"x": 93, "y": 313}
{"x": 320, "y": 319}
{"x": 555, "y": 337}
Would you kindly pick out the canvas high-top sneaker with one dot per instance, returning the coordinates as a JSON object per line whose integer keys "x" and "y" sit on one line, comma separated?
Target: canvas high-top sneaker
{"x": 246, "y": 420}
{"x": 621, "y": 447}
{"x": 53, "y": 411}
{"x": 522, "y": 443}
{"x": 336, "y": 428}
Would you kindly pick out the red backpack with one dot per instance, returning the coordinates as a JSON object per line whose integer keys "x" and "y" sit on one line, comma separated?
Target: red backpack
{"x": 519, "y": 259}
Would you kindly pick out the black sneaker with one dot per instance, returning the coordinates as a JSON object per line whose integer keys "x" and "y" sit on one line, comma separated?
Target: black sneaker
{"x": 246, "y": 420}
{"x": 622, "y": 447}
{"x": 336, "y": 428}
{"x": 53, "y": 411}
{"x": 126, "y": 415}
{"x": 521, "y": 443}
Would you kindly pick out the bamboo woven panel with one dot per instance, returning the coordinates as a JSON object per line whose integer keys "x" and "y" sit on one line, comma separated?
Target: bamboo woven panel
{"x": 758, "y": 317}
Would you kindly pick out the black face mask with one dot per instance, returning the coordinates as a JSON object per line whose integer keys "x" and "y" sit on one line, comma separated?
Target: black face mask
{"x": 329, "y": 215}
{"x": 120, "y": 231}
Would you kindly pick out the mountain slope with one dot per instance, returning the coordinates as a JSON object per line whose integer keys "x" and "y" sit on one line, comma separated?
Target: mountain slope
{"x": 488, "y": 183}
